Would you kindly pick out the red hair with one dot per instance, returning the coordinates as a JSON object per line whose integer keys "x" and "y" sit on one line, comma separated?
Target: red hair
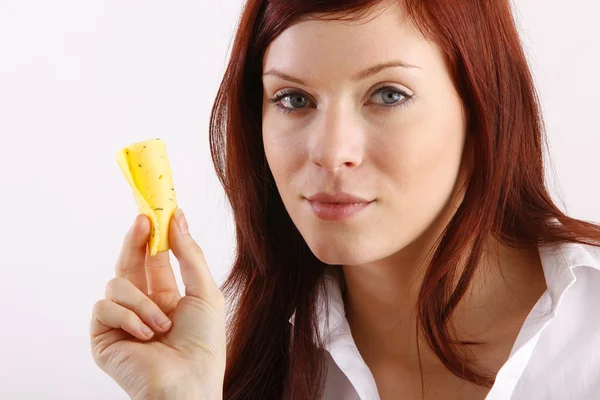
{"x": 275, "y": 273}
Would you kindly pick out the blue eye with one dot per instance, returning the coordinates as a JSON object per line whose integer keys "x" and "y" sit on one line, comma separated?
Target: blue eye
{"x": 297, "y": 100}
{"x": 391, "y": 94}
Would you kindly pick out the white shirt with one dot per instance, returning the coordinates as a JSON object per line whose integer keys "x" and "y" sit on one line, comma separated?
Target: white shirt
{"x": 556, "y": 355}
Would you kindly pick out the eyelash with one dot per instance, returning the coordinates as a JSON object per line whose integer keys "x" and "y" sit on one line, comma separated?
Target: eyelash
{"x": 287, "y": 92}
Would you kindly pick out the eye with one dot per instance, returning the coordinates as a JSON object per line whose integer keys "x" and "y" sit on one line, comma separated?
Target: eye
{"x": 391, "y": 95}
{"x": 292, "y": 101}
{"x": 293, "y": 98}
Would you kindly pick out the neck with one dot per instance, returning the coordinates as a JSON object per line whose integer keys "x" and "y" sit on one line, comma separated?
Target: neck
{"x": 380, "y": 301}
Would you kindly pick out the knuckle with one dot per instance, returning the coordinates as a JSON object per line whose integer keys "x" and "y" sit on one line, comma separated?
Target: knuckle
{"x": 213, "y": 300}
{"x": 113, "y": 286}
{"x": 195, "y": 250}
{"x": 129, "y": 318}
{"x": 110, "y": 287}
{"x": 203, "y": 303}
{"x": 146, "y": 305}
{"x": 99, "y": 308}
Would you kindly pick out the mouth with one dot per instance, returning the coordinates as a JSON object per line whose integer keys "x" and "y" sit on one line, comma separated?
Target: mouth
{"x": 337, "y": 207}
{"x": 337, "y": 197}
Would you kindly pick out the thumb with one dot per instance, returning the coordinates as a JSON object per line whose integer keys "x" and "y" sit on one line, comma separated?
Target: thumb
{"x": 196, "y": 275}
{"x": 199, "y": 318}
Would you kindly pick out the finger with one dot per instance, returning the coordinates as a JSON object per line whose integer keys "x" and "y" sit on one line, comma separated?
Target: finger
{"x": 108, "y": 315}
{"x": 195, "y": 274}
{"x": 159, "y": 273}
{"x": 123, "y": 292}
{"x": 130, "y": 263}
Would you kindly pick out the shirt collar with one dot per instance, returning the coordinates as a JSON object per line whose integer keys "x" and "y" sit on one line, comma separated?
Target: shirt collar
{"x": 558, "y": 263}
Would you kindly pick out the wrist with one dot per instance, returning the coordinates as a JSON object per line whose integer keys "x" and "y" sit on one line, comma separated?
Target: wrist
{"x": 182, "y": 392}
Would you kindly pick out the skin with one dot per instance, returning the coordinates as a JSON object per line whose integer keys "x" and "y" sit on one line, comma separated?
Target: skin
{"x": 342, "y": 135}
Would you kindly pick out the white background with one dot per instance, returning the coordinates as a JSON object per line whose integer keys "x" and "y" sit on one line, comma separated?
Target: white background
{"x": 79, "y": 80}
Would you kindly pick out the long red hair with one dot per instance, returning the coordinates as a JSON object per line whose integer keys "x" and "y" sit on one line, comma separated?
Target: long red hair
{"x": 275, "y": 273}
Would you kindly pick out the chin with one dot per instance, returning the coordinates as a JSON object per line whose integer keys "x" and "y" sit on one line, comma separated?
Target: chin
{"x": 335, "y": 252}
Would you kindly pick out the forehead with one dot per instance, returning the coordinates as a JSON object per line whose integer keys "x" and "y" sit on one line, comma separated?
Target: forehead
{"x": 311, "y": 45}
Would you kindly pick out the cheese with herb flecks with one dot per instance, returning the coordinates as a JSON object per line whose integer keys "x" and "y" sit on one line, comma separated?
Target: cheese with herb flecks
{"x": 146, "y": 168}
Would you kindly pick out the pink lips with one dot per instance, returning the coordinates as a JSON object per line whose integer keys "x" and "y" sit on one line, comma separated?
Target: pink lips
{"x": 337, "y": 206}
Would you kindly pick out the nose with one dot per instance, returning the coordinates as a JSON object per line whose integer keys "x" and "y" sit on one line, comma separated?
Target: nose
{"x": 336, "y": 140}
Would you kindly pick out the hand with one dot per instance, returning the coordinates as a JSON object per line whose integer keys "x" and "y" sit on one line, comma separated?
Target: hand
{"x": 187, "y": 352}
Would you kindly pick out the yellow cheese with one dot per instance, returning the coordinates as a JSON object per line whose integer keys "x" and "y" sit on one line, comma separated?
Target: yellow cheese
{"x": 146, "y": 168}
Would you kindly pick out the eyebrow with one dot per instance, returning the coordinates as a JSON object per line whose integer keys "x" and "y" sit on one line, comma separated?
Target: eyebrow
{"x": 360, "y": 76}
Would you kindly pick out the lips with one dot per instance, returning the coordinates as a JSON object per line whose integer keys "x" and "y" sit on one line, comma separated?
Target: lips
{"x": 338, "y": 197}
{"x": 336, "y": 206}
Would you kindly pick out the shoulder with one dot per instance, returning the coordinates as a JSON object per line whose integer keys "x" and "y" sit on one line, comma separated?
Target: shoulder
{"x": 565, "y": 360}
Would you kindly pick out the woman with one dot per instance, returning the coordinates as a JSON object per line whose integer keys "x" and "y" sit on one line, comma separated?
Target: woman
{"x": 395, "y": 239}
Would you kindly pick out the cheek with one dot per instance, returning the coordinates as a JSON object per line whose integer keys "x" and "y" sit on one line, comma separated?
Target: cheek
{"x": 424, "y": 159}
{"x": 273, "y": 145}
{"x": 438, "y": 166}
{"x": 284, "y": 155}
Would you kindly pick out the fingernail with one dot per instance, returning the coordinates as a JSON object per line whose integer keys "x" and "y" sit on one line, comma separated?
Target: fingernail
{"x": 162, "y": 321}
{"x": 147, "y": 331}
{"x": 181, "y": 222}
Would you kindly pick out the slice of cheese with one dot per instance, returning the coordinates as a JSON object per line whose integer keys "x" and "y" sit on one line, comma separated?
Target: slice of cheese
{"x": 146, "y": 168}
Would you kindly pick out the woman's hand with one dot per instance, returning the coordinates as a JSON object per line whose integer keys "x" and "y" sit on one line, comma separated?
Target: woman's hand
{"x": 147, "y": 337}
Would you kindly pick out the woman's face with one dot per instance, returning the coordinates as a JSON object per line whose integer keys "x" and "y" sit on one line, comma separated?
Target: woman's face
{"x": 392, "y": 136}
